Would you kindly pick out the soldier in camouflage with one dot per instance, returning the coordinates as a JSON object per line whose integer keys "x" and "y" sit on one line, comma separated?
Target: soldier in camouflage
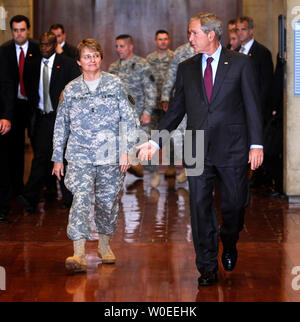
{"x": 136, "y": 74}
{"x": 181, "y": 54}
{"x": 160, "y": 61}
{"x": 92, "y": 110}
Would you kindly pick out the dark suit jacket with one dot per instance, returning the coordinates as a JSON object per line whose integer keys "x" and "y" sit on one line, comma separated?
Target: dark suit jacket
{"x": 6, "y": 91}
{"x": 10, "y": 58}
{"x": 64, "y": 70}
{"x": 69, "y": 50}
{"x": 264, "y": 68}
{"x": 232, "y": 120}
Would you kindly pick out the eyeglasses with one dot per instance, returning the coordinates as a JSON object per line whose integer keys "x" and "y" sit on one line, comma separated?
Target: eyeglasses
{"x": 90, "y": 57}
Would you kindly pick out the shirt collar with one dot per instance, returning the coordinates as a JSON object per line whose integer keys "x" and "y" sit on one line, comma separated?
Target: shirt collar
{"x": 24, "y": 46}
{"x": 50, "y": 60}
{"x": 215, "y": 55}
{"x": 248, "y": 45}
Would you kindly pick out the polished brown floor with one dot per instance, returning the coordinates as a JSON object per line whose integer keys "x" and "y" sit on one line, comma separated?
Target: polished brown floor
{"x": 155, "y": 255}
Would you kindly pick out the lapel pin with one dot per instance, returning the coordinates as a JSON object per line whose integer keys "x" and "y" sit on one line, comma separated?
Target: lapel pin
{"x": 226, "y": 63}
{"x": 58, "y": 67}
{"x": 250, "y": 54}
{"x": 30, "y": 55}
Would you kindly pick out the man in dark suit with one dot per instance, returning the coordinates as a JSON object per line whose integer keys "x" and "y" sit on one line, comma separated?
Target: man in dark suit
{"x": 218, "y": 92}
{"x": 6, "y": 116}
{"x": 262, "y": 60}
{"x": 62, "y": 46}
{"x": 47, "y": 78}
{"x": 68, "y": 50}
{"x": 17, "y": 54}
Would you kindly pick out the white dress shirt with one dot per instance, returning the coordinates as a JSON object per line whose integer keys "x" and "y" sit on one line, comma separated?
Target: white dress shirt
{"x": 247, "y": 47}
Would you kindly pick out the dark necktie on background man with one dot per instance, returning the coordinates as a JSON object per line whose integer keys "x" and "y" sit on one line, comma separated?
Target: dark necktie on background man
{"x": 21, "y": 69}
{"x": 208, "y": 78}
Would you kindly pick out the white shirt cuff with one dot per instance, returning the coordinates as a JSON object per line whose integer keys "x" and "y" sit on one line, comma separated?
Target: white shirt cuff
{"x": 256, "y": 146}
{"x": 154, "y": 144}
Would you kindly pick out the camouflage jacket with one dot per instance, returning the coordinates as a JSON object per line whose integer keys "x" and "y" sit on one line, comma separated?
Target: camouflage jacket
{"x": 137, "y": 76}
{"x": 181, "y": 54}
{"x": 160, "y": 65}
{"x": 92, "y": 124}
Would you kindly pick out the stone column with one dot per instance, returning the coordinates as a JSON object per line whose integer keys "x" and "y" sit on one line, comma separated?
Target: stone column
{"x": 292, "y": 111}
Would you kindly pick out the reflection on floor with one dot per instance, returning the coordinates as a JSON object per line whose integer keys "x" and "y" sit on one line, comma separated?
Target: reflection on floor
{"x": 155, "y": 255}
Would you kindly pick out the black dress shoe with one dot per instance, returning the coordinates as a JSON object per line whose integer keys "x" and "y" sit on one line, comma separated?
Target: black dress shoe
{"x": 25, "y": 203}
{"x": 208, "y": 279}
{"x": 229, "y": 258}
{"x": 3, "y": 217}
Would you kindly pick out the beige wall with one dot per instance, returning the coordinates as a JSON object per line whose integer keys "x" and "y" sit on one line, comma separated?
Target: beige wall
{"x": 292, "y": 114}
{"x": 15, "y": 7}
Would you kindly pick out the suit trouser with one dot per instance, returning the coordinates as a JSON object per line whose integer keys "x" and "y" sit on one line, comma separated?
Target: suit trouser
{"x": 17, "y": 142}
{"x": 41, "y": 165}
{"x": 234, "y": 191}
{"x": 5, "y": 183}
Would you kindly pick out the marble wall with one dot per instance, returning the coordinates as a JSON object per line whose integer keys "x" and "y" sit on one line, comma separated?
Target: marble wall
{"x": 15, "y": 7}
{"x": 292, "y": 111}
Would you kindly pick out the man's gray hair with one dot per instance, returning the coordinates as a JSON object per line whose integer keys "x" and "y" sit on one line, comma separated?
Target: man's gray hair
{"x": 209, "y": 22}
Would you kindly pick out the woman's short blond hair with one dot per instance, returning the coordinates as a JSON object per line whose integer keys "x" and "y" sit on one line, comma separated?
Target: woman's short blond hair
{"x": 91, "y": 44}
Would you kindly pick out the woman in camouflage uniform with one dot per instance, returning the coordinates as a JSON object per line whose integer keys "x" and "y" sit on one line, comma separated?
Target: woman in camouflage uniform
{"x": 92, "y": 110}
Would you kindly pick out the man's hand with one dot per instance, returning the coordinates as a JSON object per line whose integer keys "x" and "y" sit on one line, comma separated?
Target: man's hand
{"x": 145, "y": 119}
{"x": 124, "y": 162}
{"x": 165, "y": 106}
{"x": 5, "y": 126}
{"x": 147, "y": 151}
{"x": 58, "y": 170}
{"x": 256, "y": 158}
{"x": 59, "y": 49}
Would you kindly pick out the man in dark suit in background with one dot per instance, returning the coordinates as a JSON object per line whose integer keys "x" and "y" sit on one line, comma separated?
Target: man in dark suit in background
{"x": 17, "y": 54}
{"x": 6, "y": 116}
{"x": 263, "y": 64}
{"x": 46, "y": 80}
{"x": 217, "y": 90}
{"x": 62, "y": 46}
{"x": 262, "y": 59}
{"x": 68, "y": 50}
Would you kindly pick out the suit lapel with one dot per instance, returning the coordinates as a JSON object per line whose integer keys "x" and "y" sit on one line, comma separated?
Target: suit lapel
{"x": 252, "y": 49}
{"x": 222, "y": 69}
{"x": 197, "y": 77}
{"x": 55, "y": 70}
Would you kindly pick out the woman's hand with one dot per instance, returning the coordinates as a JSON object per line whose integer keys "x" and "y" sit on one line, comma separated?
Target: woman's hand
{"x": 124, "y": 162}
{"x": 58, "y": 170}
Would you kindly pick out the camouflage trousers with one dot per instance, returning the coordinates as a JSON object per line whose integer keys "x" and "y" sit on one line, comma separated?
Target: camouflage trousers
{"x": 86, "y": 181}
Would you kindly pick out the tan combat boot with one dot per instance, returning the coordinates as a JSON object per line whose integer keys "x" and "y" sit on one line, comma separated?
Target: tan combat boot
{"x": 77, "y": 263}
{"x": 137, "y": 170}
{"x": 104, "y": 251}
{"x": 170, "y": 172}
{"x": 154, "y": 179}
{"x": 181, "y": 178}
